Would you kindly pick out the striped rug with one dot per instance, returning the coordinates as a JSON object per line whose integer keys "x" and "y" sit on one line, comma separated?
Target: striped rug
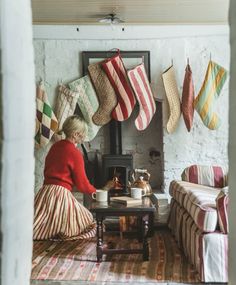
{"x": 76, "y": 260}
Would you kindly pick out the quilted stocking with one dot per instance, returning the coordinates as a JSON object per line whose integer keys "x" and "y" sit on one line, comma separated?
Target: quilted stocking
{"x": 88, "y": 103}
{"x": 172, "y": 95}
{"x": 143, "y": 92}
{"x": 65, "y": 107}
{"x": 115, "y": 70}
{"x": 46, "y": 121}
{"x": 213, "y": 83}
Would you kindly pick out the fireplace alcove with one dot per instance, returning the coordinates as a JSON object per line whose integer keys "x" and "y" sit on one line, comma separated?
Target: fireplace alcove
{"x": 145, "y": 147}
{"x": 121, "y": 144}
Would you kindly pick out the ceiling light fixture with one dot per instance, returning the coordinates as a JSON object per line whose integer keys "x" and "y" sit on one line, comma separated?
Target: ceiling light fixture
{"x": 111, "y": 19}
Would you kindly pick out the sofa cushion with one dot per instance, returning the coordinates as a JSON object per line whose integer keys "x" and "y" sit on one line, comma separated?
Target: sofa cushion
{"x": 201, "y": 205}
{"x": 222, "y": 202}
{"x": 179, "y": 189}
{"x": 215, "y": 176}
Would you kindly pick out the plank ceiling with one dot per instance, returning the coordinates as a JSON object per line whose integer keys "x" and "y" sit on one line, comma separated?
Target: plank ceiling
{"x": 131, "y": 11}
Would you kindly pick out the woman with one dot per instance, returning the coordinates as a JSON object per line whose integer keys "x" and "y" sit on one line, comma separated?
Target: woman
{"x": 58, "y": 215}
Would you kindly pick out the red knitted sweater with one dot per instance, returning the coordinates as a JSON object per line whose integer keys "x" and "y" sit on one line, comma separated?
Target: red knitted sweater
{"x": 64, "y": 166}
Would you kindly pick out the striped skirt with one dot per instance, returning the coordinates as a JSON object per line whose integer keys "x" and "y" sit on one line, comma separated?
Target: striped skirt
{"x": 59, "y": 216}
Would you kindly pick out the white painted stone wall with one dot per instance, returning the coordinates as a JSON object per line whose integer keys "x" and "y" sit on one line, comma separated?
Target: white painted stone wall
{"x": 232, "y": 148}
{"x": 58, "y": 59}
{"x": 17, "y": 161}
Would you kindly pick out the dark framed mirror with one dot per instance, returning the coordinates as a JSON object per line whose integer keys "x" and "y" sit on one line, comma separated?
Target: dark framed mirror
{"x": 130, "y": 59}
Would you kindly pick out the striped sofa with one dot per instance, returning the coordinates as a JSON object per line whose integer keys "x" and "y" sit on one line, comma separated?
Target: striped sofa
{"x": 198, "y": 219}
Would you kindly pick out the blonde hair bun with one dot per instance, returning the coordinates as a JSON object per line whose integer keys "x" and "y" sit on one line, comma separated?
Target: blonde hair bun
{"x": 74, "y": 124}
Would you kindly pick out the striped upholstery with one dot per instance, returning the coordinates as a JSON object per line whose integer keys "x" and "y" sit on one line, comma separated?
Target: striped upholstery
{"x": 58, "y": 215}
{"x": 198, "y": 201}
{"x": 179, "y": 189}
{"x": 142, "y": 89}
{"x": 116, "y": 72}
{"x": 222, "y": 202}
{"x": 196, "y": 215}
{"x": 213, "y": 83}
{"x": 200, "y": 204}
{"x": 208, "y": 252}
{"x": 215, "y": 176}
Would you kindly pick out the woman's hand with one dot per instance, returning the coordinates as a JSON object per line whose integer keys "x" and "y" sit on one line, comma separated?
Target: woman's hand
{"x": 109, "y": 185}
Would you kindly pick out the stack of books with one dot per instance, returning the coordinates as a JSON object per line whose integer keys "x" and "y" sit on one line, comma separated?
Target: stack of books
{"x": 161, "y": 201}
{"x": 125, "y": 200}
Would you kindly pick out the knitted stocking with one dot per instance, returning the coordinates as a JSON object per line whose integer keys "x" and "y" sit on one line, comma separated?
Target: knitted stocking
{"x": 147, "y": 107}
{"x": 172, "y": 95}
{"x": 116, "y": 73}
{"x": 213, "y": 83}
{"x": 105, "y": 92}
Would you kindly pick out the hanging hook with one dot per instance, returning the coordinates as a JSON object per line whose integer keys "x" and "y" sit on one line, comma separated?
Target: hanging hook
{"x": 111, "y": 51}
{"x": 172, "y": 62}
{"x": 210, "y": 56}
{"x": 188, "y": 60}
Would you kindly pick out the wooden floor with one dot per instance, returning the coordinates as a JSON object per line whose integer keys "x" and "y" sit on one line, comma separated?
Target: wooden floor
{"x": 37, "y": 282}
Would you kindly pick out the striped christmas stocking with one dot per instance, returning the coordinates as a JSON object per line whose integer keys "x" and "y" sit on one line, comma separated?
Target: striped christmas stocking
{"x": 147, "y": 107}
{"x": 46, "y": 121}
{"x": 87, "y": 102}
{"x": 213, "y": 83}
{"x": 116, "y": 72}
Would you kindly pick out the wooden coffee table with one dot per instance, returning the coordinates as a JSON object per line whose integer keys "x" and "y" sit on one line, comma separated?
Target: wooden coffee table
{"x": 144, "y": 213}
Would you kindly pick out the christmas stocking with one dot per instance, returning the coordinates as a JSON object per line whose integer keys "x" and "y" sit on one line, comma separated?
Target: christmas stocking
{"x": 88, "y": 103}
{"x": 115, "y": 70}
{"x": 105, "y": 92}
{"x": 65, "y": 107}
{"x": 147, "y": 107}
{"x": 188, "y": 98}
{"x": 213, "y": 83}
{"x": 46, "y": 121}
{"x": 172, "y": 95}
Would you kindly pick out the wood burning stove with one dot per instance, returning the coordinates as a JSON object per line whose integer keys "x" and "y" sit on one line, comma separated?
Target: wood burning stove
{"x": 117, "y": 166}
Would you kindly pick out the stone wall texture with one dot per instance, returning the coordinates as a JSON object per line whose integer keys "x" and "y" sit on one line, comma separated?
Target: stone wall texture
{"x": 60, "y": 61}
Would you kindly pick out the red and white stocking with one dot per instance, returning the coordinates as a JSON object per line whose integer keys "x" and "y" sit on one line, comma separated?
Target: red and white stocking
{"x": 116, "y": 72}
{"x": 147, "y": 107}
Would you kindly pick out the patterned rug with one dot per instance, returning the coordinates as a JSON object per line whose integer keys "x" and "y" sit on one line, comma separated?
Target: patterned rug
{"x": 76, "y": 260}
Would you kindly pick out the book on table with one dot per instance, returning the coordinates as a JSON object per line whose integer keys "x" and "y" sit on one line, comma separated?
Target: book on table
{"x": 128, "y": 201}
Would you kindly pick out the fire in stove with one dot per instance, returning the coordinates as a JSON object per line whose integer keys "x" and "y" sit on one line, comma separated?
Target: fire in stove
{"x": 116, "y": 166}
